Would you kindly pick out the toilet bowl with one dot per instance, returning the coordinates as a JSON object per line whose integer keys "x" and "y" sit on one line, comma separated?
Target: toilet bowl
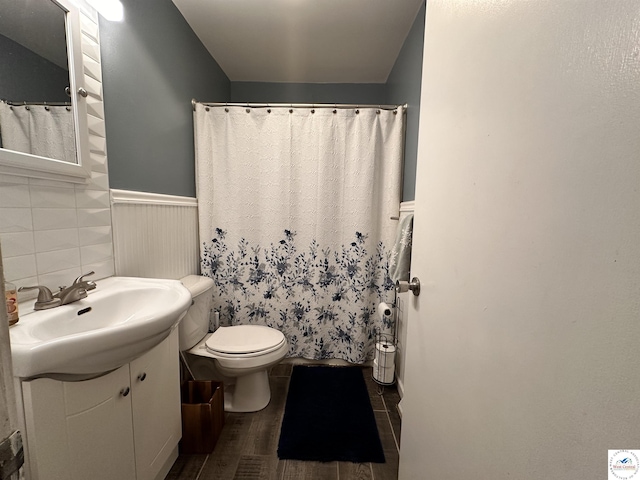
{"x": 239, "y": 355}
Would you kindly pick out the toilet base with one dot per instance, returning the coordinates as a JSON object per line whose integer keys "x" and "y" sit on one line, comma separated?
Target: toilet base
{"x": 246, "y": 380}
{"x": 250, "y": 393}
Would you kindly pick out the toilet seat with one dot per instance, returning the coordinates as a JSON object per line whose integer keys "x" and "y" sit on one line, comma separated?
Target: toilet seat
{"x": 244, "y": 341}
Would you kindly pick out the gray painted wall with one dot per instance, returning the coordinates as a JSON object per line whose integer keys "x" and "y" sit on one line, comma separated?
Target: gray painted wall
{"x": 153, "y": 65}
{"x": 261, "y": 92}
{"x": 403, "y": 86}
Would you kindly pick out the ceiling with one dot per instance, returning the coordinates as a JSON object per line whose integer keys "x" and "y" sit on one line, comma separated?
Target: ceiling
{"x": 302, "y": 41}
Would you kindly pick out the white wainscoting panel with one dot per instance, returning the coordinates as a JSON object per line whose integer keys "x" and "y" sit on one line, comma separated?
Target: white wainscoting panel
{"x": 155, "y": 236}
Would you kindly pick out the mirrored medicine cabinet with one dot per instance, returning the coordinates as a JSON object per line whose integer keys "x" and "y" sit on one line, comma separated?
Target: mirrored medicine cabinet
{"x": 43, "y": 112}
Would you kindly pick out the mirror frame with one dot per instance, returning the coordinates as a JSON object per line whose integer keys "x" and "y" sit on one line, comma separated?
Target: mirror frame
{"x": 35, "y": 166}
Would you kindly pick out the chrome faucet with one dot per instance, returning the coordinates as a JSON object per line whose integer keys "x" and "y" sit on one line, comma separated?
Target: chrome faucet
{"x": 75, "y": 292}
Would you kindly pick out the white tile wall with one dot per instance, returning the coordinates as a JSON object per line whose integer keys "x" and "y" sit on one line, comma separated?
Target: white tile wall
{"x": 50, "y": 262}
{"x": 52, "y": 231}
{"x": 15, "y": 196}
{"x": 21, "y": 266}
{"x": 54, "y": 218}
{"x": 52, "y": 240}
{"x": 15, "y": 219}
{"x": 52, "y": 197}
{"x": 17, "y": 244}
{"x": 94, "y": 235}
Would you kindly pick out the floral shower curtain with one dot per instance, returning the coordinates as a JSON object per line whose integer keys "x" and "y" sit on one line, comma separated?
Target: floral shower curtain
{"x": 295, "y": 220}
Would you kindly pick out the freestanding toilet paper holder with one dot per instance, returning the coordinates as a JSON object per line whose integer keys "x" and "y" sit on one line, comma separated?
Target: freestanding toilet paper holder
{"x": 384, "y": 363}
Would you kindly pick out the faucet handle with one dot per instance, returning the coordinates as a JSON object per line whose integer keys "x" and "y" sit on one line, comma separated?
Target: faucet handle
{"x": 45, "y": 297}
{"x": 88, "y": 285}
{"x": 81, "y": 277}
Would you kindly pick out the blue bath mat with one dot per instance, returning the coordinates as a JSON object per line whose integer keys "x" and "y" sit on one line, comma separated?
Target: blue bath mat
{"x": 328, "y": 417}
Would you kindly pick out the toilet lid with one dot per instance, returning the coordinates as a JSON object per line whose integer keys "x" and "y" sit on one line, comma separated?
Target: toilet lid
{"x": 244, "y": 339}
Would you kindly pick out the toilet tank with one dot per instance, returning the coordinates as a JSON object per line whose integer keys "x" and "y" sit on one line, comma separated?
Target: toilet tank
{"x": 195, "y": 324}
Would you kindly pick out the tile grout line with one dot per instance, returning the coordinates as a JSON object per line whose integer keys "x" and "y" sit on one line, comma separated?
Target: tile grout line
{"x": 386, "y": 411}
{"x": 202, "y": 466}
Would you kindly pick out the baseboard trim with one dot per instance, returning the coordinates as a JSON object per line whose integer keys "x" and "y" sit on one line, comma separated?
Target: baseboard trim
{"x": 400, "y": 387}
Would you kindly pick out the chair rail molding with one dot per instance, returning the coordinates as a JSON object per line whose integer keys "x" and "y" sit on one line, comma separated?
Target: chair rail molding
{"x": 147, "y": 198}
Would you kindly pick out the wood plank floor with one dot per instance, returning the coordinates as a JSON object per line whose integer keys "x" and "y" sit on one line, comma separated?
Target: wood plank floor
{"x": 247, "y": 448}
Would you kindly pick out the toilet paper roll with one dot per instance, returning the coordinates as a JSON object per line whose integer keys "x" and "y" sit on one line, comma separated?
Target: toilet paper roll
{"x": 385, "y": 354}
{"x": 383, "y": 374}
{"x": 385, "y": 347}
{"x": 384, "y": 310}
{"x": 389, "y": 368}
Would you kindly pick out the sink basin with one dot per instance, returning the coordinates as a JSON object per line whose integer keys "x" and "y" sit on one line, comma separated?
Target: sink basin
{"x": 120, "y": 320}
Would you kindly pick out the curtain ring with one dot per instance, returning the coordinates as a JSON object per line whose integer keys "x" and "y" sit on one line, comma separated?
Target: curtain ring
{"x": 226, "y": 110}
{"x": 291, "y": 110}
{"x": 206, "y": 108}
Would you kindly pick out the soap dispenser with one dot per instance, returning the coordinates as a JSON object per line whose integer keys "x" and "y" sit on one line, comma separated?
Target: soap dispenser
{"x": 11, "y": 296}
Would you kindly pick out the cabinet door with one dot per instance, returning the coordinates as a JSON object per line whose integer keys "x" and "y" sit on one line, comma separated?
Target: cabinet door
{"x": 155, "y": 386}
{"x": 80, "y": 430}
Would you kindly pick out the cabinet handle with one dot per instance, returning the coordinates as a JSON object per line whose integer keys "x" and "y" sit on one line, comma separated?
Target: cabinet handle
{"x": 125, "y": 391}
{"x": 142, "y": 376}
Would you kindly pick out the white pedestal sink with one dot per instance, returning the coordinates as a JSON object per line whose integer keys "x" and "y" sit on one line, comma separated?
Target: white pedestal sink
{"x": 120, "y": 320}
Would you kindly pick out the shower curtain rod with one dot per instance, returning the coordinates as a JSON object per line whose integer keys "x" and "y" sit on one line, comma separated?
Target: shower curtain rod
{"x": 294, "y": 105}
{"x": 43, "y": 104}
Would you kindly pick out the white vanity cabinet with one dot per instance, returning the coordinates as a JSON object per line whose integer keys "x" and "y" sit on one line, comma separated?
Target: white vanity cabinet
{"x": 156, "y": 409}
{"x": 123, "y": 425}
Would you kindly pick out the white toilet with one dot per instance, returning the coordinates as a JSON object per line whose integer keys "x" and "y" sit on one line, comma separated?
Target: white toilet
{"x": 238, "y": 355}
